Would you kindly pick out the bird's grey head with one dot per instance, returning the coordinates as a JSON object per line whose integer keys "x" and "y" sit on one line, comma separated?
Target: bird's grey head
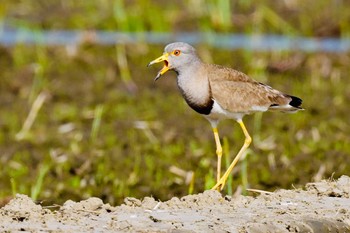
{"x": 182, "y": 46}
{"x": 177, "y": 56}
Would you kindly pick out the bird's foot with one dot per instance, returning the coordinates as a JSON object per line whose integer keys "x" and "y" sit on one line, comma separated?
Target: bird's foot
{"x": 219, "y": 185}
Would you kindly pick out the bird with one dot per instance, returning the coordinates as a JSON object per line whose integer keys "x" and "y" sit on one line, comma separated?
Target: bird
{"x": 217, "y": 93}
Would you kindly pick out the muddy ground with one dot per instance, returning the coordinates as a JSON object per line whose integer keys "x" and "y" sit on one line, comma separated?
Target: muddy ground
{"x": 320, "y": 207}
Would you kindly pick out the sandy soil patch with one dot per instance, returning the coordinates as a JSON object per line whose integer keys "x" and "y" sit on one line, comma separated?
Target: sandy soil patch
{"x": 321, "y": 207}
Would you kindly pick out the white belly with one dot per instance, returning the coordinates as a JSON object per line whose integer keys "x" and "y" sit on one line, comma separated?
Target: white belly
{"x": 218, "y": 113}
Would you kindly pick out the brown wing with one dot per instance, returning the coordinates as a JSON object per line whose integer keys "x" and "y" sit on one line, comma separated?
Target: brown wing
{"x": 236, "y": 92}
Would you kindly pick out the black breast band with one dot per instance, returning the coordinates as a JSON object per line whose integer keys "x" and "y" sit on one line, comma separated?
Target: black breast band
{"x": 204, "y": 108}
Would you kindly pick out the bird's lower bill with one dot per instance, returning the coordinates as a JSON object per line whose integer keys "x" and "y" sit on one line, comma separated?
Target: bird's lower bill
{"x": 165, "y": 68}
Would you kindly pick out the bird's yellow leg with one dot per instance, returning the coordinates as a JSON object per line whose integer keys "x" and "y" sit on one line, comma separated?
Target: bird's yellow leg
{"x": 218, "y": 152}
{"x": 221, "y": 183}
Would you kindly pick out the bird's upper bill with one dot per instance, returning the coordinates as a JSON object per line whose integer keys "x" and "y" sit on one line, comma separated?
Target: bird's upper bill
{"x": 165, "y": 68}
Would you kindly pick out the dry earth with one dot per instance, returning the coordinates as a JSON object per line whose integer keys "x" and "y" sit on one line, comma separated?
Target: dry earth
{"x": 321, "y": 207}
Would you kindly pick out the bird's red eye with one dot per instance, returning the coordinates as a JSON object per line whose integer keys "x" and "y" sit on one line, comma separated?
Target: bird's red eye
{"x": 177, "y": 52}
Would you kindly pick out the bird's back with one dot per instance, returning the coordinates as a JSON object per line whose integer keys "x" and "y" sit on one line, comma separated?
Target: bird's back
{"x": 234, "y": 91}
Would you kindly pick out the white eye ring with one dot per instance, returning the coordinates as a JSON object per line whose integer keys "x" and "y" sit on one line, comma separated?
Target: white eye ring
{"x": 177, "y": 52}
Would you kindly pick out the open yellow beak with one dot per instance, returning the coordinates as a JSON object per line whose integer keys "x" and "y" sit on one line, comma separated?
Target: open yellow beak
{"x": 165, "y": 68}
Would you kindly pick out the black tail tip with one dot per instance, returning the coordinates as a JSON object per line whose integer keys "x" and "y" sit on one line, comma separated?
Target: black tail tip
{"x": 296, "y": 102}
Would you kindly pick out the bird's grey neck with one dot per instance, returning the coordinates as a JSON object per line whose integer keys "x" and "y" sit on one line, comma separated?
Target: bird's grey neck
{"x": 188, "y": 67}
{"x": 194, "y": 86}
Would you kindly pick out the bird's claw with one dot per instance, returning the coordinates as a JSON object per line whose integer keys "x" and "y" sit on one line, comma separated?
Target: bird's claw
{"x": 219, "y": 185}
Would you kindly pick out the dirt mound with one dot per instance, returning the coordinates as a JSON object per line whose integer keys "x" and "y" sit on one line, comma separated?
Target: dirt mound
{"x": 322, "y": 207}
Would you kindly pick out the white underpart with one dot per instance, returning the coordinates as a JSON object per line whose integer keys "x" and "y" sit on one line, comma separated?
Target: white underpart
{"x": 284, "y": 108}
{"x": 218, "y": 113}
{"x": 259, "y": 108}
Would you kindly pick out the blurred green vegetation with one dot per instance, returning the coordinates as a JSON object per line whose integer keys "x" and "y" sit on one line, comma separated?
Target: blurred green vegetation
{"x": 87, "y": 120}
